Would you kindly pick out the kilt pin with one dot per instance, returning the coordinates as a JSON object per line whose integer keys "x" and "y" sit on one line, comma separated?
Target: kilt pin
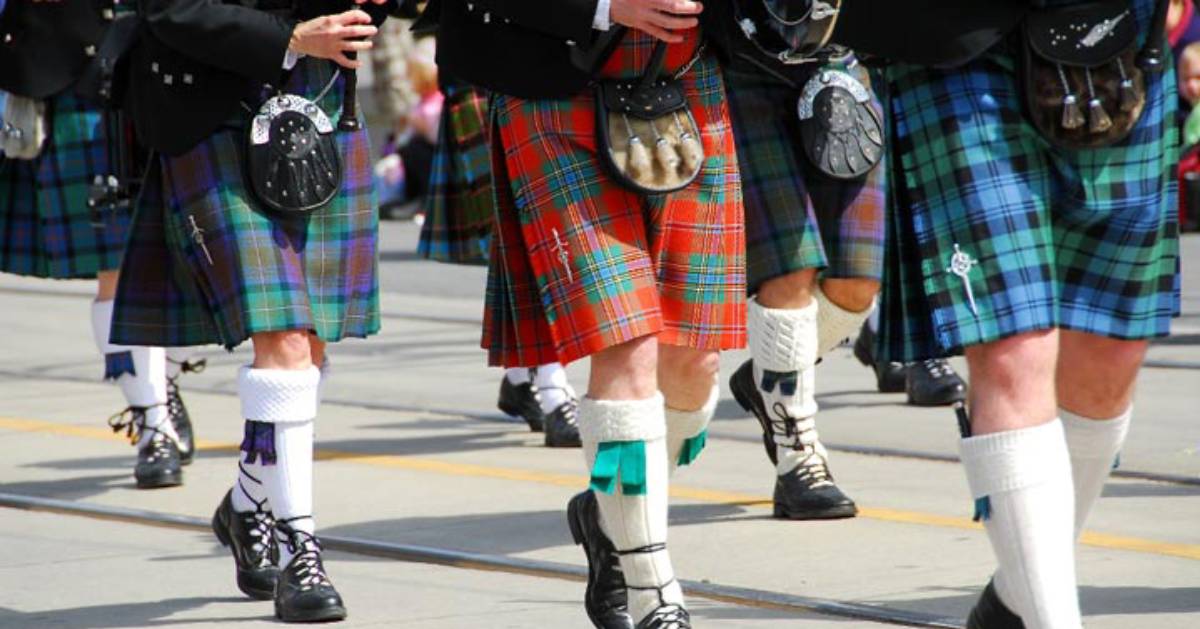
{"x": 580, "y": 263}
{"x": 206, "y": 265}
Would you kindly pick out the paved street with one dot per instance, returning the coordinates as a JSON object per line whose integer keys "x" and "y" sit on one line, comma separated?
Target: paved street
{"x": 449, "y": 515}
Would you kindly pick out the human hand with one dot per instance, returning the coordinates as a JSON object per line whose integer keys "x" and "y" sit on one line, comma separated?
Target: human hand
{"x": 658, "y": 18}
{"x": 333, "y": 36}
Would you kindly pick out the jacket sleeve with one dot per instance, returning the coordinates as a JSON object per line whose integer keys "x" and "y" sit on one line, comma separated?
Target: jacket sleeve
{"x": 568, "y": 19}
{"x": 230, "y": 37}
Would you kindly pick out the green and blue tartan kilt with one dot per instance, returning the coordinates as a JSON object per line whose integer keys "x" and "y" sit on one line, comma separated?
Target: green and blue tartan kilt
{"x": 459, "y": 203}
{"x": 206, "y": 265}
{"x": 46, "y": 228}
{"x": 996, "y": 233}
{"x": 581, "y": 263}
{"x": 796, "y": 217}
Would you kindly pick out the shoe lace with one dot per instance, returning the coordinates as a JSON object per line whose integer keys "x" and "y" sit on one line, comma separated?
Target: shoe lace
{"x": 159, "y": 446}
{"x": 670, "y": 616}
{"x": 800, "y": 435}
{"x": 131, "y": 419}
{"x": 569, "y": 411}
{"x": 174, "y": 400}
{"x": 307, "y": 551}
{"x": 937, "y": 368}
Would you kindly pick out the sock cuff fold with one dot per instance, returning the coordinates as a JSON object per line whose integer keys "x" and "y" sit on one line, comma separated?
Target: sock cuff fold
{"x": 278, "y": 395}
{"x": 1095, "y": 438}
{"x": 602, "y": 421}
{"x": 782, "y": 339}
{"x": 692, "y": 423}
{"x": 834, "y": 323}
{"x": 1015, "y": 459}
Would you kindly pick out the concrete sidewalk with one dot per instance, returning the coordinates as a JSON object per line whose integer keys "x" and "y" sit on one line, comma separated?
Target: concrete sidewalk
{"x": 412, "y": 452}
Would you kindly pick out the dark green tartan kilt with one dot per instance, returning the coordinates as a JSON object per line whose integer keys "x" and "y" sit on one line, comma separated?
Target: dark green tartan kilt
{"x": 206, "y": 265}
{"x": 995, "y": 233}
{"x": 459, "y": 204}
{"x": 796, "y": 217}
{"x": 46, "y": 228}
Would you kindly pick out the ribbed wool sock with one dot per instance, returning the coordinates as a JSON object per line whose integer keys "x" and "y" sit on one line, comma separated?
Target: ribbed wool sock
{"x": 518, "y": 375}
{"x": 1094, "y": 445}
{"x": 834, "y": 323}
{"x": 552, "y": 386}
{"x": 286, "y": 400}
{"x": 1021, "y": 480}
{"x": 634, "y": 515}
{"x": 687, "y": 431}
{"x": 783, "y": 346}
{"x": 142, "y": 377}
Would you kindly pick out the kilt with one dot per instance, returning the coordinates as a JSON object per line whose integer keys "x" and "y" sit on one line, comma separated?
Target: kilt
{"x": 995, "y": 233}
{"x": 579, "y": 263}
{"x": 206, "y": 265}
{"x": 458, "y": 205}
{"x": 796, "y": 217}
{"x": 46, "y": 228}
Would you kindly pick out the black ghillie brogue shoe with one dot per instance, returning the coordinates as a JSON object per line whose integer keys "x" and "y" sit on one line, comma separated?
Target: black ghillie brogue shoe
{"x": 304, "y": 592}
{"x": 807, "y": 492}
{"x": 991, "y": 613}
{"x": 521, "y": 400}
{"x": 250, "y": 537}
{"x": 158, "y": 458}
{"x": 178, "y": 412}
{"x": 934, "y": 382}
{"x": 562, "y": 428}
{"x": 605, "y": 599}
{"x": 890, "y": 377}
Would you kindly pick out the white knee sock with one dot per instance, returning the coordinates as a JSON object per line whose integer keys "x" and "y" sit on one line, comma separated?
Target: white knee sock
{"x": 1094, "y": 446}
{"x": 1024, "y": 479}
{"x": 249, "y": 493}
{"x": 143, "y": 377}
{"x": 517, "y": 375}
{"x": 177, "y": 357}
{"x": 687, "y": 431}
{"x": 552, "y": 386}
{"x": 783, "y": 345}
{"x": 634, "y": 515}
{"x": 834, "y": 323}
{"x": 286, "y": 399}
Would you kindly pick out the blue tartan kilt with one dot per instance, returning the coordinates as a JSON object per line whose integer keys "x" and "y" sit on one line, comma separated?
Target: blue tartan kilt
{"x": 994, "y": 232}
{"x": 46, "y": 228}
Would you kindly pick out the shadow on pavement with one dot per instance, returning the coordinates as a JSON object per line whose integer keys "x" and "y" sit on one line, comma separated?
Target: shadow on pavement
{"x": 149, "y": 614}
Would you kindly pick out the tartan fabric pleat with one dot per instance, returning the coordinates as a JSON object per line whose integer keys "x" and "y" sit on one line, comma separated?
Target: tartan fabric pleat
{"x": 46, "y": 228}
{"x": 580, "y": 263}
{"x": 1045, "y": 237}
{"x": 206, "y": 265}
{"x": 458, "y": 205}
{"x": 797, "y": 218}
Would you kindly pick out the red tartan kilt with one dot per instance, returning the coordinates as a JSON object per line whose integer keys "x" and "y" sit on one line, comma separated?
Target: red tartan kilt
{"x": 580, "y": 264}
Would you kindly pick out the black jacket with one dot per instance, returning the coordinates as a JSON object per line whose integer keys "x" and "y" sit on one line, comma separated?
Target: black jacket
{"x": 941, "y": 33}
{"x": 46, "y": 46}
{"x": 524, "y": 48}
{"x": 199, "y": 59}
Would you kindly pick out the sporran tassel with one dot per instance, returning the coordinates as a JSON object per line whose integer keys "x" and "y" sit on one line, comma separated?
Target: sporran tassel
{"x": 1128, "y": 98}
{"x": 638, "y": 160}
{"x": 689, "y": 147}
{"x": 1072, "y": 117}
{"x": 664, "y": 153}
{"x": 1098, "y": 120}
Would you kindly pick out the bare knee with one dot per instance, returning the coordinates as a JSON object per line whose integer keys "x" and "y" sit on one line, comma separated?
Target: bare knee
{"x": 852, "y": 294}
{"x": 1096, "y": 375}
{"x": 625, "y": 371}
{"x": 687, "y": 376}
{"x": 282, "y": 350}
{"x": 1012, "y": 382}
{"x": 106, "y": 289}
{"x": 791, "y": 291}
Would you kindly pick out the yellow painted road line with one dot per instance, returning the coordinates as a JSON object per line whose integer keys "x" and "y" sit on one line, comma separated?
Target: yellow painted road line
{"x": 417, "y": 464}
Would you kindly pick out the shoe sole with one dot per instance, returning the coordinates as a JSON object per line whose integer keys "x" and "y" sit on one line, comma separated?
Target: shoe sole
{"x": 161, "y": 481}
{"x": 556, "y": 444}
{"x": 330, "y": 614}
{"x": 223, "y": 538}
{"x": 833, "y": 513}
{"x": 948, "y": 401}
{"x": 536, "y": 425}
